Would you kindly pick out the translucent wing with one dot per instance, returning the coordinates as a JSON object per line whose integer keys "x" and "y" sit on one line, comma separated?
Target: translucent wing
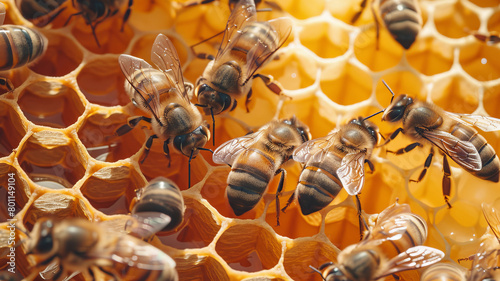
{"x": 145, "y": 224}
{"x": 2, "y": 13}
{"x": 228, "y": 151}
{"x": 493, "y": 219}
{"x": 165, "y": 57}
{"x": 243, "y": 13}
{"x": 485, "y": 123}
{"x": 462, "y": 152}
{"x": 52, "y": 269}
{"x": 262, "y": 51}
{"x": 315, "y": 149}
{"x": 413, "y": 258}
{"x": 352, "y": 172}
{"x": 146, "y": 93}
{"x": 392, "y": 211}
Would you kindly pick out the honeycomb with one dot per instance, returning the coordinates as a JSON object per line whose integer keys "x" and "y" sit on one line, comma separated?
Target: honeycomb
{"x": 57, "y": 127}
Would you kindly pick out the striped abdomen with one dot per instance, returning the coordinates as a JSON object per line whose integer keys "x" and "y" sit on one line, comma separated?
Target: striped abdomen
{"x": 443, "y": 272}
{"x": 489, "y": 159}
{"x": 403, "y": 20}
{"x": 249, "y": 36}
{"x": 318, "y": 184}
{"x": 250, "y": 174}
{"x": 19, "y": 46}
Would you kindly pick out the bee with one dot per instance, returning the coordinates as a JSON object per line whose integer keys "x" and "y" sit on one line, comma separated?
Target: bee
{"x": 256, "y": 158}
{"x": 402, "y": 18}
{"x": 75, "y": 245}
{"x": 393, "y": 244}
{"x": 160, "y": 196}
{"x": 491, "y": 38}
{"x": 333, "y": 162}
{"x": 443, "y": 272}
{"x": 247, "y": 45}
{"x": 452, "y": 133}
{"x": 19, "y": 46}
{"x": 165, "y": 98}
{"x": 42, "y": 12}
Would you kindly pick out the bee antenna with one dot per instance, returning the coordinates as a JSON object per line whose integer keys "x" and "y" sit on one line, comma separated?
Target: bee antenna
{"x": 205, "y": 149}
{"x": 189, "y": 168}
{"x": 200, "y": 105}
{"x": 389, "y": 88}
{"x": 213, "y": 125}
{"x": 317, "y": 271}
{"x": 374, "y": 114}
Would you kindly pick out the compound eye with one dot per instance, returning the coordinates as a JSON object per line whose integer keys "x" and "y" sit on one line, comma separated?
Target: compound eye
{"x": 395, "y": 114}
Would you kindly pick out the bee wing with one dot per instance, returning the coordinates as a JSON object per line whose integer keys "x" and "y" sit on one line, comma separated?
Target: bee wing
{"x": 492, "y": 218}
{"x": 485, "y": 123}
{"x": 243, "y": 13}
{"x": 261, "y": 51}
{"x": 392, "y": 211}
{"x": 228, "y": 151}
{"x": 2, "y": 13}
{"x": 413, "y": 258}
{"x": 132, "y": 68}
{"x": 165, "y": 57}
{"x": 146, "y": 224}
{"x": 462, "y": 152}
{"x": 52, "y": 269}
{"x": 352, "y": 172}
{"x": 315, "y": 149}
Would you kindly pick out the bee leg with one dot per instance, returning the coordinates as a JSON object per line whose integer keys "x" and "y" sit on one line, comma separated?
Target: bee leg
{"x": 166, "y": 151}
{"x": 427, "y": 164}
{"x": 377, "y": 25}
{"x": 127, "y": 14}
{"x": 278, "y": 193}
{"x": 446, "y": 180}
{"x": 406, "y": 149}
{"x": 71, "y": 16}
{"x": 370, "y": 165}
{"x": 115, "y": 278}
{"x": 274, "y": 86}
{"x": 290, "y": 200}
{"x": 362, "y": 7}
{"x": 247, "y": 101}
{"x": 149, "y": 143}
{"x": 392, "y": 136}
{"x": 91, "y": 273}
{"x": 395, "y": 277}
{"x": 362, "y": 222}
{"x": 189, "y": 168}
{"x": 6, "y": 84}
{"x": 131, "y": 123}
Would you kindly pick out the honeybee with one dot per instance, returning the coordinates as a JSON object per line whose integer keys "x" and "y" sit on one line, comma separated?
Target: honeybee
{"x": 42, "y": 12}
{"x": 74, "y": 245}
{"x": 402, "y": 18}
{"x": 19, "y": 46}
{"x": 333, "y": 162}
{"x": 246, "y": 46}
{"x": 394, "y": 244}
{"x": 165, "y": 98}
{"x": 160, "y": 196}
{"x": 444, "y": 272}
{"x": 451, "y": 133}
{"x": 256, "y": 158}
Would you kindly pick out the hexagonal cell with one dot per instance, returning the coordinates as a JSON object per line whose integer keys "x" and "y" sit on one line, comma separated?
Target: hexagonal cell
{"x": 490, "y": 100}
{"x": 14, "y": 190}
{"x": 461, "y": 91}
{"x": 111, "y": 189}
{"x": 386, "y": 55}
{"x": 460, "y": 223}
{"x": 430, "y": 56}
{"x": 325, "y": 39}
{"x": 345, "y": 83}
{"x": 200, "y": 267}
{"x": 300, "y": 255}
{"x": 62, "y": 56}
{"x": 342, "y": 226}
{"x": 454, "y": 19}
{"x": 149, "y": 16}
{"x": 108, "y": 33}
{"x": 494, "y": 21}
{"x": 102, "y": 82}
{"x": 480, "y": 61}
{"x": 50, "y": 103}
{"x": 12, "y": 129}
{"x": 197, "y": 230}
{"x": 258, "y": 251}
{"x": 59, "y": 205}
{"x": 51, "y": 159}
{"x": 302, "y": 9}
{"x": 97, "y": 134}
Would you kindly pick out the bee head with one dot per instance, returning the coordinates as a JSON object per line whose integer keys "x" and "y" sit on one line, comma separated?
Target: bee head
{"x": 302, "y": 128}
{"x": 189, "y": 143}
{"x": 368, "y": 126}
{"x": 214, "y": 102}
{"x": 91, "y": 10}
{"x": 397, "y": 108}
{"x": 333, "y": 273}
{"x": 44, "y": 242}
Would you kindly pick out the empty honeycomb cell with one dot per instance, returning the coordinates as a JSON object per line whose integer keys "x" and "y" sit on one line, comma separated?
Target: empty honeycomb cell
{"x": 325, "y": 39}
{"x": 430, "y": 56}
{"x": 377, "y": 55}
{"x": 494, "y": 23}
{"x": 102, "y": 82}
{"x": 111, "y": 189}
{"x": 303, "y": 10}
{"x": 464, "y": 94}
{"x": 249, "y": 247}
{"x": 400, "y": 82}
{"x": 12, "y": 129}
{"x": 62, "y": 56}
{"x": 345, "y": 83}
{"x": 490, "y": 98}
{"x": 345, "y": 11}
{"x": 480, "y": 61}
{"x": 303, "y": 253}
{"x": 196, "y": 231}
{"x": 200, "y": 267}
{"x": 342, "y": 226}
{"x": 455, "y": 19}
{"x": 50, "y": 103}
{"x": 52, "y": 159}
{"x": 460, "y": 223}
{"x": 14, "y": 191}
